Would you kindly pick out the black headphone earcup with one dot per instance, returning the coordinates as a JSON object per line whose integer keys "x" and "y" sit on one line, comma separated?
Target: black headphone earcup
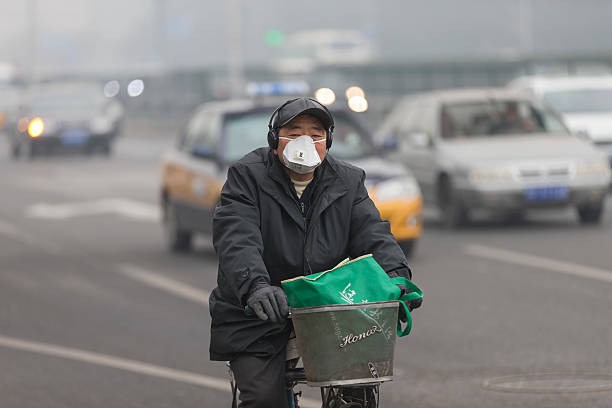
{"x": 330, "y": 138}
{"x": 272, "y": 139}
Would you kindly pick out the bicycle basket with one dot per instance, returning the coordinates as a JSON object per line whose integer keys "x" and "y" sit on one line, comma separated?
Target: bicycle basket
{"x": 347, "y": 344}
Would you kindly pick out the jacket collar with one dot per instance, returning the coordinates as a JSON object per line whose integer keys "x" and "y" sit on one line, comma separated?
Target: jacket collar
{"x": 328, "y": 189}
{"x": 276, "y": 184}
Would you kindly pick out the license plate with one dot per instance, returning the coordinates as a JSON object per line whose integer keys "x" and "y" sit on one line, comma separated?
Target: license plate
{"x": 553, "y": 193}
{"x": 74, "y": 137}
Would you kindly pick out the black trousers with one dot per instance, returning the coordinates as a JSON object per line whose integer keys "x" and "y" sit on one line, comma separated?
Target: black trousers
{"x": 261, "y": 381}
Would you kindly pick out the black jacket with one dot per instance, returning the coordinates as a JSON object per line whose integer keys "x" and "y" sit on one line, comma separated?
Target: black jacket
{"x": 261, "y": 234}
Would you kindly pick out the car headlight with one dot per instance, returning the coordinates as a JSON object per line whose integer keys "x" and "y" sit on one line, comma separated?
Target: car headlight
{"x": 396, "y": 189}
{"x": 36, "y": 127}
{"x": 490, "y": 175}
{"x": 593, "y": 169}
{"x": 100, "y": 125}
{"x": 41, "y": 127}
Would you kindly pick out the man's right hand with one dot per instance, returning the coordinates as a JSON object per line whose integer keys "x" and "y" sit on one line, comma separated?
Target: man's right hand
{"x": 269, "y": 303}
{"x": 413, "y": 304}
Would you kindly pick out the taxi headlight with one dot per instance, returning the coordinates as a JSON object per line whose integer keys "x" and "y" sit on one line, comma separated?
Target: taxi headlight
{"x": 396, "y": 189}
{"x": 490, "y": 175}
{"x": 594, "y": 168}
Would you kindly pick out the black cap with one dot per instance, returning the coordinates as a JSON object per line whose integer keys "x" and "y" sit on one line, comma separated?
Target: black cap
{"x": 286, "y": 113}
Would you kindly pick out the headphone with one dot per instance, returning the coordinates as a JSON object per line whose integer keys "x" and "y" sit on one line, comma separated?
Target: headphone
{"x": 273, "y": 133}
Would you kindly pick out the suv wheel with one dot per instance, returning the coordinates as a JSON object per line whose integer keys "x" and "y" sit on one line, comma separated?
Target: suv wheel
{"x": 590, "y": 213}
{"x": 177, "y": 239}
{"x": 452, "y": 210}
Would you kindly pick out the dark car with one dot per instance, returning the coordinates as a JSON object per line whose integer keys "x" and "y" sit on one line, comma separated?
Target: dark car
{"x": 66, "y": 116}
{"x": 220, "y": 133}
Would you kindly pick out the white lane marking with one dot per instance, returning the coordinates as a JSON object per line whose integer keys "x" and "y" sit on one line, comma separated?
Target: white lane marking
{"x": 533, "y": 261}
{"x": 115, "y": 362}
{"x": 159, "y": 281}
{"x": 122, "y": 206}
{"x": 15, "y": 233}
{"x": 130, "y": 365}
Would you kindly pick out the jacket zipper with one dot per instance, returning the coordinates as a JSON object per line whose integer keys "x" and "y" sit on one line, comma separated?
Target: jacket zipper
{"x": 306, "y": 262}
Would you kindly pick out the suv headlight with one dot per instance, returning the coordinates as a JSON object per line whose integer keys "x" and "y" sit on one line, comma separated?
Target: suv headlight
{"x": 397, "y": 188}
{"x": 490, "y": 175}
{"x": 592, "y": 169}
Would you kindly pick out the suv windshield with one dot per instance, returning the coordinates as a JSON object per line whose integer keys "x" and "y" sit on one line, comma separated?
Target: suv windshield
{"x": 580, "y": 100}
{"x": 244, "y": 132}
{"x": 496, "y": 117}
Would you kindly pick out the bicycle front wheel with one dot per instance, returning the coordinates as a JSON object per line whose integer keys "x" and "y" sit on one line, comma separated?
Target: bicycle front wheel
{"x": 366, "y": 396}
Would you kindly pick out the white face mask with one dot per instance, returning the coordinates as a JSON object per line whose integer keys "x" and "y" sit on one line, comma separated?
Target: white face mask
{"x": 300, "y": 154}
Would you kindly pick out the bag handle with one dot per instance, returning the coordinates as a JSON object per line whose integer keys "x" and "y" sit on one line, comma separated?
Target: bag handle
{"x": 416, "y": 293}
{"x": 406, "y": 330}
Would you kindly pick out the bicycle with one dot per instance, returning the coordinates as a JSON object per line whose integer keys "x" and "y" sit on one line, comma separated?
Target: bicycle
{"x": 334, "y": 394}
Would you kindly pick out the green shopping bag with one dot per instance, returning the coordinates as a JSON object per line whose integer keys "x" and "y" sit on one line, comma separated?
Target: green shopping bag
{"x": 360, "y": 280}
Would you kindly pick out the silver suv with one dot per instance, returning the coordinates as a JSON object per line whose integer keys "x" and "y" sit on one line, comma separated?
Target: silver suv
{"x": 497, "y": 150}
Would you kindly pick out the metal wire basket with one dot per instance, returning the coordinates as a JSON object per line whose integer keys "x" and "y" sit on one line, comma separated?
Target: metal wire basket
{"x": 347, "y": 344}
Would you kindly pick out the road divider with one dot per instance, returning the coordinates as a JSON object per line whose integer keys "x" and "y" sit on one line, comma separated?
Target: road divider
{"x": 538, "y": 262}
{"x": 125, "y": 207}
{"x": 124, "y": 364}
{"x": 164, "y": 283}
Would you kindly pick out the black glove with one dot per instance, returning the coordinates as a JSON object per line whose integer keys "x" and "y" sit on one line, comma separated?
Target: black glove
{"x": 269, "y": 302}
{"x": 413, "y": 304}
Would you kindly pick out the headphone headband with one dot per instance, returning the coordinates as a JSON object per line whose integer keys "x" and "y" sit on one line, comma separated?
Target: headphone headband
{"x": 277, "y": 110}
{"x": 273, "y": 132}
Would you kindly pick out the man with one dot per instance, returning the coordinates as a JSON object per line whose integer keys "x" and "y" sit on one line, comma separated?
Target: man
{"x": 511, "y": 121}
{"x": 285, "y": 210}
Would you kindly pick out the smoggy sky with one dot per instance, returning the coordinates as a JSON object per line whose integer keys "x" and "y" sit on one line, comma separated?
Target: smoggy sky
{"x": 115, "y": 35}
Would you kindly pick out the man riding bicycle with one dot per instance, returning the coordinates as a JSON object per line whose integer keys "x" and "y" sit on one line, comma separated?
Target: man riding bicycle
{"x": 286, "y": 210}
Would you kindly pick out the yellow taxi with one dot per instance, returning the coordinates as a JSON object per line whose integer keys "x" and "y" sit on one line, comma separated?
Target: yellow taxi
{"x": 219, "y": 133}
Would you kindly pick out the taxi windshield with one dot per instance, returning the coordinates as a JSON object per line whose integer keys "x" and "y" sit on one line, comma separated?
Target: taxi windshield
{"x": 247, "y": 131}
{"x": 496, "y": 117}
